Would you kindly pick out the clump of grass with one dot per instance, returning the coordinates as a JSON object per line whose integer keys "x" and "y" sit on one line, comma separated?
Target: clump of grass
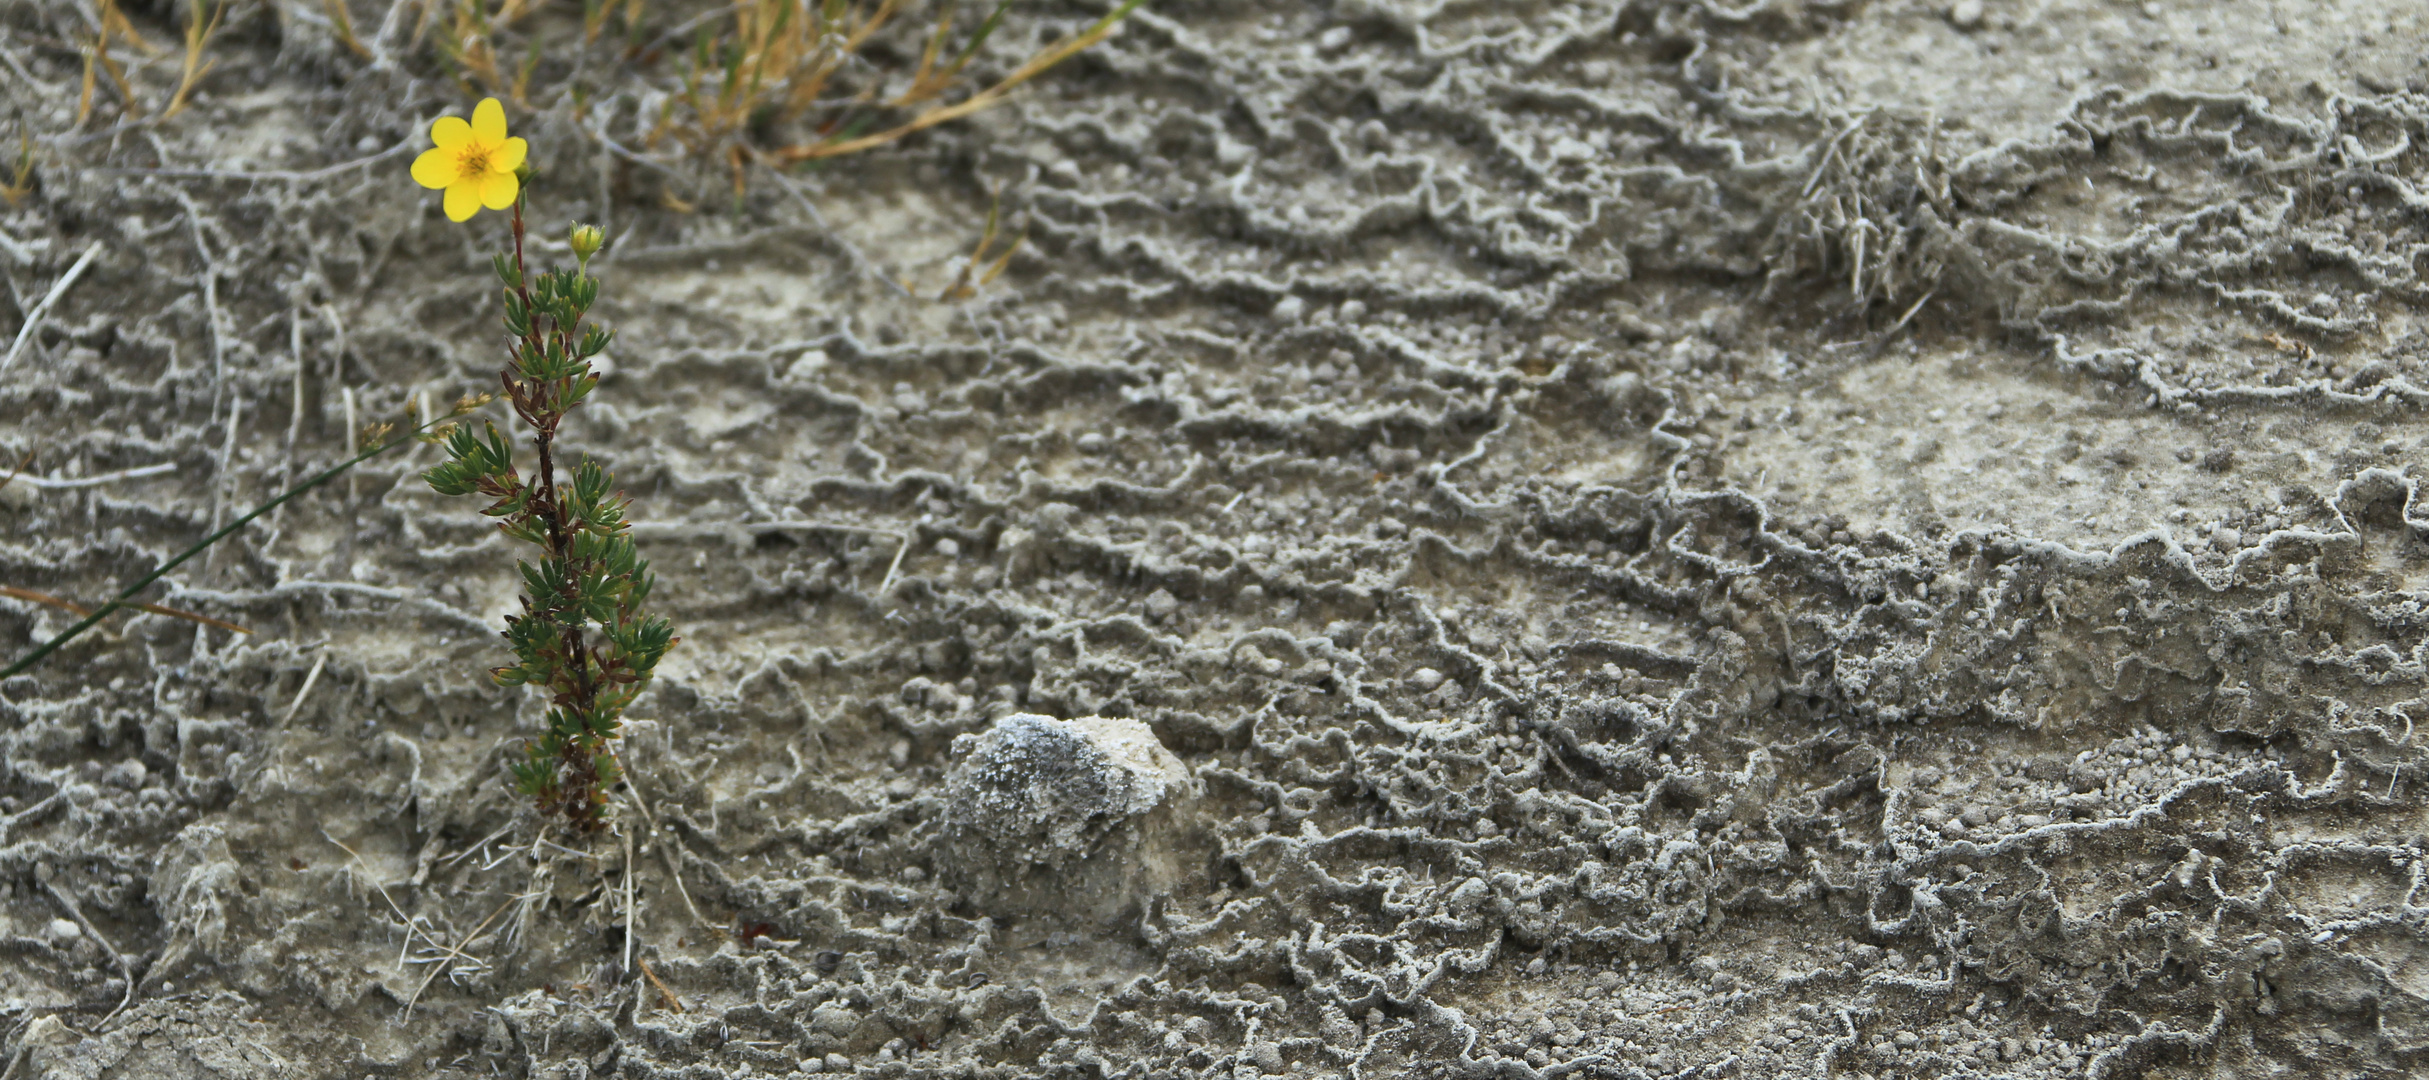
{"x": 99, "y": 62}
{"x": 781, "y": 82}
{"x": 201, "y": 23}
{"x": 979, "y": 272}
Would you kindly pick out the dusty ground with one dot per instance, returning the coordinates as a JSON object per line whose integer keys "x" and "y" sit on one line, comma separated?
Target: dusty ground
{"x": 1609, "y": 539}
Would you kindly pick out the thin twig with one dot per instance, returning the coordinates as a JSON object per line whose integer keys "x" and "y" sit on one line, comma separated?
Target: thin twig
{"x": 485, "y": 841}
{"x": 126, "y": 970}
{"x": 900, "y": 550}
{"x": 54, "y": 483}
{"x": 674, "y": 869}
{"x": 22, "y": 462}
{"x": 632, "y": 915}
{"x": 10, "y": 822}
{"x": 310, "y": 677}
{"x": 80, "y": 609}
{"x": 654, "y": 980}
{"x": 412, "y": 925}
{"x": 476, "y": 962}
{"x": 1910, "y": 314}
{"x": 58, "y": 290}
{"x": 354, "y": 437}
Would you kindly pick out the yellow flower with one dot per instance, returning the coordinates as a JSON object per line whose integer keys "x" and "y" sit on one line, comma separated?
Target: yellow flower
{"x": 474, "y": 163}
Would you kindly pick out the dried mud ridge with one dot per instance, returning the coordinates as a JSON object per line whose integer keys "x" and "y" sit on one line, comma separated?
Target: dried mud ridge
{"x": 1480, "y": 540}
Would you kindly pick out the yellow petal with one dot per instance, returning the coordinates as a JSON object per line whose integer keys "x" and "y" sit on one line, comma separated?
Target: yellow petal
{"x": 509, "y": 155}
{"x": 435, "y": 168}
{"x": 489, "y": 121}
{"x": 463, "y": 199}
{"x": 450, "y": 132}
{"x": 498, "y": 190}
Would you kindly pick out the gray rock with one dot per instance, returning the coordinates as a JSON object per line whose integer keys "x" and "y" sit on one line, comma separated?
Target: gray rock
{"x": 1090, "y": 816}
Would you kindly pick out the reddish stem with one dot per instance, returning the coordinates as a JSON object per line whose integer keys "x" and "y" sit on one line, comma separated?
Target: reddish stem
{"x": 580, "y": 774}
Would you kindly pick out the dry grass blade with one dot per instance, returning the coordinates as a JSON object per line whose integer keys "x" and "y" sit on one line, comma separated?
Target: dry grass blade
{"x": 672, "y": 1001}
{"x": 80, "y": 610}
{"x": 930, "y": 81}
{"x": 97, "y": 62}
{"x": 978, "y": 272}
{"x": 199, "y": 30}
{"x": 343, "y": 21}
{"x": 21, "y": 175}
{"x": 466, "y": 45}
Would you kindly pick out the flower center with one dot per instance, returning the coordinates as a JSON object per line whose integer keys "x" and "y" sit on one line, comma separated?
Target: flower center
{"x": 473, "y": 161}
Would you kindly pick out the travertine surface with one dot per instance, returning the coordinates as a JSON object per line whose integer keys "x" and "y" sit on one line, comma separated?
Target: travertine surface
{"x": 1667, "y": 539}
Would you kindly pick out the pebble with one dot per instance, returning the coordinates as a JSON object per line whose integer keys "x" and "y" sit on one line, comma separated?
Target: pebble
{"x": 1268, "y": 1056}
{"x": 1965, "y": 14}
{"x": 62, "y": 932}
{"x": 2226, "y": 539}
{"x": 1424, "y": 679}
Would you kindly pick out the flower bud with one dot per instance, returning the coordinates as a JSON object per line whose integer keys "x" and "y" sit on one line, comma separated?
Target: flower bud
{"x": 586, "y": 241}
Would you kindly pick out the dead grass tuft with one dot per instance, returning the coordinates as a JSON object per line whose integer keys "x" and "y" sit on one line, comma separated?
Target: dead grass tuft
{"x": 744, "y": 82}
{"x": 201, "y": 24}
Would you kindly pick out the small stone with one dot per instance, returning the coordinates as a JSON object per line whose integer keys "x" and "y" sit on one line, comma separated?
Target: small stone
{"x": 948, "y": 547}
{"x": 2227, "y": 539}
{"x": 1333, "y": 40}
{"x": 1161, "y": 604}
{"x": 838, "y": 1063}
{"x": 838, "y": 1021}
{"x": 1965, "y": 14}
{"x": 1906, "y": 1040}
{"x": 1572, "y": 150}
{"x": 1424, "y": 680}
{"x": 1092, "y": 443}
{"x": 1290, "y": 309}
{"x": 1268, "y": 1057}
{"x": 808, "y": 366}
{"x": 62, "y": 933}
